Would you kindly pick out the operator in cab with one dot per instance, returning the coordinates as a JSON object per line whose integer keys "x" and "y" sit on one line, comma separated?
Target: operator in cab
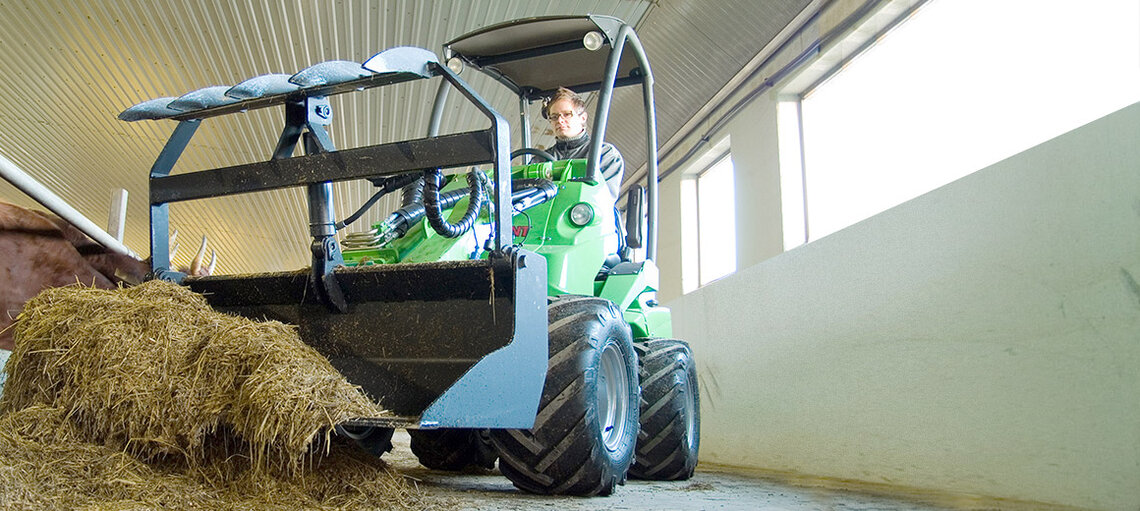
{"x": 566, "y": 112}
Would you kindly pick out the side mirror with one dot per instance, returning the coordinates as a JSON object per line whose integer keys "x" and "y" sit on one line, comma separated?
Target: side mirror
{"x": 635, "y": 217}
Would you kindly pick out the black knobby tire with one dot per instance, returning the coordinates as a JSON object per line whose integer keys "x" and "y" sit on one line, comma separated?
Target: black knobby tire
{"x": 453, "y": 449}
{"x": 584, "y": 434}
{"x": 670, "y": 435}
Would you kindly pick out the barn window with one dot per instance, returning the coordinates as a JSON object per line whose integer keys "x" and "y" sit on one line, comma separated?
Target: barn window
{"x": 709, "y": 222}
{"x": 955, "y": 88}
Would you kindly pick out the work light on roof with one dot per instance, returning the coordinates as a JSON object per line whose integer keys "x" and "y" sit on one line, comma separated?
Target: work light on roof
{"x": 593, "y": 40}
{"x": 455, "y": 64}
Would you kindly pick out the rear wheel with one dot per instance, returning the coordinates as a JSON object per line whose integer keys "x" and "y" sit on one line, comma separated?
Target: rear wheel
{"x": 453, "y": 449}
{"x": 584, "y": 434}
{"x": 670, "y": 433}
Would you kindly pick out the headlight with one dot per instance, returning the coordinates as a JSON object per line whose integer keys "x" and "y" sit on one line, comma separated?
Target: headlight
{"x": 581, "y": 214}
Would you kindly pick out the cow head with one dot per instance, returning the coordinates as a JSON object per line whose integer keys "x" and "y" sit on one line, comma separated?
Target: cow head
{"x": 196, "y": 267}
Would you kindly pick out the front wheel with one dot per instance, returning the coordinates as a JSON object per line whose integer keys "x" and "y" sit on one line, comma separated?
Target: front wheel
{"x": 583, "y": 438}
{"x": 452, "y": 449}
{"x": 374, "y": 439}
{"x": 670, "y": 411}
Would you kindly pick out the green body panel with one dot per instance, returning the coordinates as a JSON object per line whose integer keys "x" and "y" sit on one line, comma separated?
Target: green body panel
{"x": 574, "y": 254}
{"x": 624, "y": 289}
{"x": 434, "y": 247}
{"x": 650, "y": 322}
{"x": 634, "y": 294}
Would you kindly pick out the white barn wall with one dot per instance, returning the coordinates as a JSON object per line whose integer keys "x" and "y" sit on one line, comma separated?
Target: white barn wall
{"x": 983, "y": 338}
{"x": 756, "y": 174}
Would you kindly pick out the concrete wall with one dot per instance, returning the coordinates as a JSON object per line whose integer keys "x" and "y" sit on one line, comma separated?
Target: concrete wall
{"x": 756, "y": 173}
{"x": 983, "y": 338}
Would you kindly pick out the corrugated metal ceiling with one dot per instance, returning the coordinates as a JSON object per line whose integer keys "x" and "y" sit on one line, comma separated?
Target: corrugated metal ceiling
{"x": 70, "y": 67}
{"x": 695, "y": 48}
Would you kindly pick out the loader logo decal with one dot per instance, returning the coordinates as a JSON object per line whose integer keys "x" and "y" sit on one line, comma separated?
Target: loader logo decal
{"x": 520, "y": 231}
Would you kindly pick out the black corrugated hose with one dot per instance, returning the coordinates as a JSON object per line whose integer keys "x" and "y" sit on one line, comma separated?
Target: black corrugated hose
{"x": 433, "y": 179}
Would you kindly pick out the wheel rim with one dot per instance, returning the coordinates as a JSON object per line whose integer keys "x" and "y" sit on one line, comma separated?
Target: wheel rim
{"x": 613, "y": 396}
{"x": 690, "y": 413}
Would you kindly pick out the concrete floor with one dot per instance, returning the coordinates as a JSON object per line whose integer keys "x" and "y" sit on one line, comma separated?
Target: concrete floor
{"x": 705, "y": 491}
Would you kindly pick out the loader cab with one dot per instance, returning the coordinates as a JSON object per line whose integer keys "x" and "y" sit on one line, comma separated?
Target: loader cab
{"x": 587, "y": 54}
{"x": 577, "y": 230}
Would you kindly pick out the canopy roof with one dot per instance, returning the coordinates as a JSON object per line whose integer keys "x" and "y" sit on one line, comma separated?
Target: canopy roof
{"x": 534, "y": 56}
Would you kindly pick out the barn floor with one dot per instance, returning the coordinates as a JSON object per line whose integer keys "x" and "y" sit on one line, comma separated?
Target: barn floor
{"x": 705, "y": 491}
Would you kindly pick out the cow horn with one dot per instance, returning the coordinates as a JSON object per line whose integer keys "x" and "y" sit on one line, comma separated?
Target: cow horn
{"x": 196, "y": 263}
{"x": 213, "y": 262}
{"x": 173, "y": 248}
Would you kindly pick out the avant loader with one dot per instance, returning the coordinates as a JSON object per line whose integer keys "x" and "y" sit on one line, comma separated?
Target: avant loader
{"x": 502, "y": 312}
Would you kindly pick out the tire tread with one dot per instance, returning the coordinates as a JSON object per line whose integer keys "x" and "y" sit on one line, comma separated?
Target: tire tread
{"x": 663, "y": 451}
{"x": 560, "y": 455}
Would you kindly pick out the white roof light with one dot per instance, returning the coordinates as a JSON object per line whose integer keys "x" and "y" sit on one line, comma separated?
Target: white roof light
{"x": 593, "y": 40}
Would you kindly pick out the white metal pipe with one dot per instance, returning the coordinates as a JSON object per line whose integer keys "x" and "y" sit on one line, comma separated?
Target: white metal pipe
{"x": 55, "y": 204}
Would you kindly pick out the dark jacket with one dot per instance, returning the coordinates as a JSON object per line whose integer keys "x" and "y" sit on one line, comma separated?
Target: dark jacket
{"x": 612, "y": 165}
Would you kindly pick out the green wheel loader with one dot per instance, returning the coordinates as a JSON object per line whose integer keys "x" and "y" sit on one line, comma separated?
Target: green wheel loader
{"x": 540, "y": 345}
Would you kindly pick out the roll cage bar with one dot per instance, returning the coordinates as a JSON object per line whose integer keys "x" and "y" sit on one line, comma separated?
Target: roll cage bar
{"x": 533, "y": 57}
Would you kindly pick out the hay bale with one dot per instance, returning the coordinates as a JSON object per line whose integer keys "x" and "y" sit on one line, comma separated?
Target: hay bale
{"x": 46, "y": 465}
{"x": 145, "y": 398}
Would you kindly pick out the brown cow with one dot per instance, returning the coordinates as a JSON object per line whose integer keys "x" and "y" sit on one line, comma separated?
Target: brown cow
{"x": 39, "y": 250}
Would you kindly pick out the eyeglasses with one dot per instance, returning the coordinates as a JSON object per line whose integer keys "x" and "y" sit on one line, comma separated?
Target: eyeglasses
{"x": 554, "y": 116}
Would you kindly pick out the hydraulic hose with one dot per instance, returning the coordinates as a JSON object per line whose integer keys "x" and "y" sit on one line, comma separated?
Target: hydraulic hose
{"x": 412, "y": 193}
{"x": 528, "y": 193}
{"x": 404, "y": 218}
{"x": 386, "y": 186}
{"x": 433, "y": 208}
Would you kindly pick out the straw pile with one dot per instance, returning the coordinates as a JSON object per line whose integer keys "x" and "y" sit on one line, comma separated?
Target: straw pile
{"x": 145, "y": 398}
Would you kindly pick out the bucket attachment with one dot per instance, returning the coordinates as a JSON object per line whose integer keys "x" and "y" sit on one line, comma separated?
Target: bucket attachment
{"x": 459, "y": 344}
{"x": 442, "y": 344}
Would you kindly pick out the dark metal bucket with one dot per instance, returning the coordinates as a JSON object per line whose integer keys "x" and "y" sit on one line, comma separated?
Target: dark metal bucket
{"x": 442, "y": 344}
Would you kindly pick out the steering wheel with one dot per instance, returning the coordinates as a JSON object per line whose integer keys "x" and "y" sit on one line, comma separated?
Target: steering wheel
{"x": 533, "y": 152}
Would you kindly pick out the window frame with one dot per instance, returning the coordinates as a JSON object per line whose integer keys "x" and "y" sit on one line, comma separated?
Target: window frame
{"x": 693, "y": 276}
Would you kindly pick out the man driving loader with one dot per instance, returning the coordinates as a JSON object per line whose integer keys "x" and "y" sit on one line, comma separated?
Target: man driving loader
{"x": 566, "y": 112}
